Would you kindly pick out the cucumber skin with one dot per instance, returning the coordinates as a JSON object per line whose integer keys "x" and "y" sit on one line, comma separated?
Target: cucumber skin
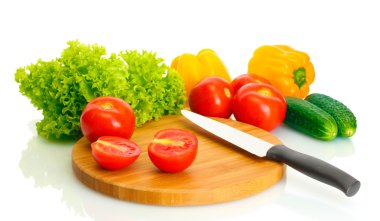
{"x": 344, "y": 118}
{"x": 310, "y": 119}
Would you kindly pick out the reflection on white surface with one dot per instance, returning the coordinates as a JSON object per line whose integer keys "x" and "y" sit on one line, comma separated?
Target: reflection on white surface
{"x": 324, "y": 150}
{"x": 49, "y": 165}
{"x": 312, "y": 207}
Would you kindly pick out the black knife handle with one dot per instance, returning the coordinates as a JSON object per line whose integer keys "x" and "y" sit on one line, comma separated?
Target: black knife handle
{"x": 315, "y": 168}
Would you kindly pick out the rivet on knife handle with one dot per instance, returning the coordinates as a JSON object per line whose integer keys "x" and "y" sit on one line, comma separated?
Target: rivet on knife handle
{"x": 315, "y": 168}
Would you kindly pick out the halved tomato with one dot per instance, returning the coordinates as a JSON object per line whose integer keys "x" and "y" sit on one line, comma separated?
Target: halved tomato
{"x": 173, "y": 150}
{"x": 114, "y": 153}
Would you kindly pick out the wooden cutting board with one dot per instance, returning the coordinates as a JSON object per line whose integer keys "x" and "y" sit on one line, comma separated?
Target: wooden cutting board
{"x": 221, "y": 172}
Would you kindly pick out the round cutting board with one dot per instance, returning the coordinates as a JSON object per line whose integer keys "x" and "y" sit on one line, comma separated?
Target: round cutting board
{"x": 221, "y": 172}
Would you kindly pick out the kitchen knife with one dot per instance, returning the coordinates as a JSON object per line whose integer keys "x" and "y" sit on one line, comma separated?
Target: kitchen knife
{"x": 306, "y": 164}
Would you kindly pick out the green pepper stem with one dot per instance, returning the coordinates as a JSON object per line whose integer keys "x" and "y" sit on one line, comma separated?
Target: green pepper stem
{"x": 300, "y": 77}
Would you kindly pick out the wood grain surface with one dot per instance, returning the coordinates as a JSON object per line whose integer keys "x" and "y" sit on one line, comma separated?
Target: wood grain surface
{"x": 221, "y": 172}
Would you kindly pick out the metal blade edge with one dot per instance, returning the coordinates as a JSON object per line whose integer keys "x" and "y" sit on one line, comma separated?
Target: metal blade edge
{"x": 234, "y": 136}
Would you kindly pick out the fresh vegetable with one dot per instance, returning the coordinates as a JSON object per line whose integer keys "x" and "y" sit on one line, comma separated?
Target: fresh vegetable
{"x": 288, "y": 70}
{"x": 173, "y": 150}
{"x": 212, "y": 97}
{"x": 194, "y": 68}
{"x": 114, "y": 153}
{"x": 62, "y": 87}
{"x": 343, "y": 116}
{"x": 261, "y": 105}
{"x": 310, "y": 119}
{"x": 107, "y": 116}
{"x": 213, "y": 64}
{"x": 244, "y": 79}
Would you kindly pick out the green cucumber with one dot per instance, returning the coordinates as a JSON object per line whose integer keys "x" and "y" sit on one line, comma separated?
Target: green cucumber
{"x": 344, "y": 118}
{"x": 310, "y": 119}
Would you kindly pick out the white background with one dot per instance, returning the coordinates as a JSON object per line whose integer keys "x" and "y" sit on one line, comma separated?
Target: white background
{"x": 341, "y": 37}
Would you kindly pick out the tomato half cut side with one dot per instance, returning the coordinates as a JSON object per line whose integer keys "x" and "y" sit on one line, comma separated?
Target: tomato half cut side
{"x": 114, "y": 153}
{"x": 173, "y": 150}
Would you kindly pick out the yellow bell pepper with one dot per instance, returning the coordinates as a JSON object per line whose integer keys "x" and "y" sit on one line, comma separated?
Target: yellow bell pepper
{"x": 288, "y": 70}
{"x": 194, "y": 68}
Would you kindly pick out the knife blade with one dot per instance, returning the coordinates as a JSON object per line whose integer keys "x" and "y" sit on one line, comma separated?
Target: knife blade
{"x": 308, "y": 165}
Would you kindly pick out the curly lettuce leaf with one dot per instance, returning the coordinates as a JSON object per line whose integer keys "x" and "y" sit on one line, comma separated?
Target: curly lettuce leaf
{"x": 63, "y": 86}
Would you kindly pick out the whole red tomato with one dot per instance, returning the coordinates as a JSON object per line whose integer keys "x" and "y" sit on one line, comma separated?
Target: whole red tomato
{"x": 261, "y": 105}
{"x": 212, "y": 97}
{"x": 173, "y": 150}
{"x": 244, "y": 79}
{"x": 107, "y": 116}
{"x": 114, "y": 153}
